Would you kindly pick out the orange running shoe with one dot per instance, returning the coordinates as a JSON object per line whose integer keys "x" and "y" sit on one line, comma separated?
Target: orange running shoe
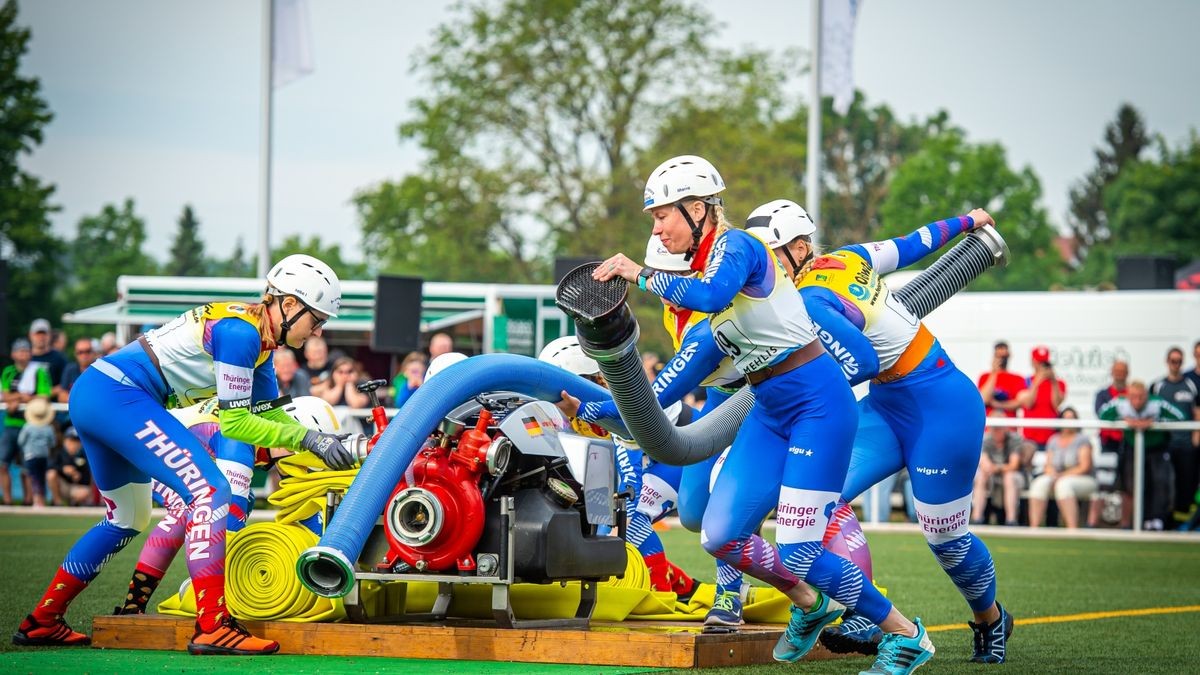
{"x": 57, "y": 634}
{"x": 230, "y": 638}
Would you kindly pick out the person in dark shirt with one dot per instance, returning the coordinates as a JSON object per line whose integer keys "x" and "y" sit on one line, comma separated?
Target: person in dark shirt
{"x": 85, "y": 356}
{"x": 1180, "y": 391}
{"x": 70, "y": 476}
{"x": 43, "y": 352}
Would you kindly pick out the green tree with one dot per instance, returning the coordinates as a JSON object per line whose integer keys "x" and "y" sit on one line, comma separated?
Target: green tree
{"x": 187, "y": 251}
{"x": 1124, "y": 140}
{"x": 236, "y": 265}
{"x": 531, "y": 122}
{"x": 1154, "y": 205}
{"x": 331, "y": 255}
{"x": 105, "y": 247}
{"x": 27, "y": 245}
{"x": 949, "y": 177}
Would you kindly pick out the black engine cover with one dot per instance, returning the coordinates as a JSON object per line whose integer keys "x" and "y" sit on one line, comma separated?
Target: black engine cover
{"x": 549, "y": 543}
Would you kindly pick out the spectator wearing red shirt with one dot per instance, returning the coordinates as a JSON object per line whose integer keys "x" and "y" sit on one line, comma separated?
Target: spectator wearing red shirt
{"x": 999, "y": 387}
{"x": 1042, "y": 396}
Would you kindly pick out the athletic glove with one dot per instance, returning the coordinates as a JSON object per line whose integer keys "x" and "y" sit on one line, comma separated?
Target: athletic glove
{"x": 330, "y": 448}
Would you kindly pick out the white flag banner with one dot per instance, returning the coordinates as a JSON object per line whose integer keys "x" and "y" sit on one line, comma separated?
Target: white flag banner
{"x": 292, "y": 54}
{"x": 837, "y": 51}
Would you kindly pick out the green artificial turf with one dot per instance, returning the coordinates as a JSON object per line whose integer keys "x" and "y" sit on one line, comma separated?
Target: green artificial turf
{"x": 1037, "y": 577}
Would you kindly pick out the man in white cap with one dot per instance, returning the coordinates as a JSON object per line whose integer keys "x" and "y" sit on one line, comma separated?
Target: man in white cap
{"x": 44, "y": 352}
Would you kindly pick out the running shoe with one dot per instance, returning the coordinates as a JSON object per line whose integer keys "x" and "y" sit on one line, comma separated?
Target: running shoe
{"x": 856, "y": 634}
{"x": 804, "y": 628}
{"x": 230, "y": 638}
{"x": 726, "y": 613}
{"x": 31, "y": 633}
{"x": 901, "y": 654}
{"x": 991, "y": 640}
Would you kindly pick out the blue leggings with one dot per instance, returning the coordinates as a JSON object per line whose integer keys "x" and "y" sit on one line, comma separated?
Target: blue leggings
{"x": 933, "y": 425}
{"x": 791, "y": 454}
{"x": 130, "y": 439}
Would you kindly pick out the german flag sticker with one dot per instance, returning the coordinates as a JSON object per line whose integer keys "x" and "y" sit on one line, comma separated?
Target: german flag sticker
{"x": 532, "y": 427}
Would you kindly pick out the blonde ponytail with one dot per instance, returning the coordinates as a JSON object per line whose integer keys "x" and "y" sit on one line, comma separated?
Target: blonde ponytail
{"x": 259, "y": 312}
{"x": 720, "y": 225}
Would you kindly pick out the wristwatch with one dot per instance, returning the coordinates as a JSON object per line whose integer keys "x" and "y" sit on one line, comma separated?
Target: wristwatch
{"x": 644, "y": 277}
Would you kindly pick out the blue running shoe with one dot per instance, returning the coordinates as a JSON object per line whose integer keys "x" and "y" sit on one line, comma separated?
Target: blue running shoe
{"x": 804, "y": 628}
{"x": 991, "y": 641}
{"x": 900, "y": 654}
{"x": 726, "y": 613}
{"x": 856, "y": 634}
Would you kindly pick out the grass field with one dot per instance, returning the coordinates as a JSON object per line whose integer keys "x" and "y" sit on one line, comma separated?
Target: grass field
{"x": 1065, "y": 585}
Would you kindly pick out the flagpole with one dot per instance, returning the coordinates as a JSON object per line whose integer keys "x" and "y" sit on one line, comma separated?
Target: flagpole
{"x": 813, "y": 174}
{"x": 264, "y": 140}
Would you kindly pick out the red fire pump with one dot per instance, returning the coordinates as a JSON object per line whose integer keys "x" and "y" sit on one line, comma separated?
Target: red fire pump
{"x": 435, "y": 516}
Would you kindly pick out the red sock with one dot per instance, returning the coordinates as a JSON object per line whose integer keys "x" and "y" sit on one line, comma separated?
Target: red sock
{"x": 210, "y": 601}
{"x": 61, "y": 592}
{"x": 660, "y": 571}
{"x": 681, "y": 583}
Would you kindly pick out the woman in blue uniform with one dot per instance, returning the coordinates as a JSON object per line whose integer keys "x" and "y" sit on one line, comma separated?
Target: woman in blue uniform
{"x": 119, "y": 407}
{"x": 793, "y": 449}
{"x": 922, "y": 412}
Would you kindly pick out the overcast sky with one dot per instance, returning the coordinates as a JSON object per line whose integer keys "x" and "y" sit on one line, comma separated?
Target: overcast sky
{"x": 159, "y": 101}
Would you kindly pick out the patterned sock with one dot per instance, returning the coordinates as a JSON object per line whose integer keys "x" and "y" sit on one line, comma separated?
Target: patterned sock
{"x": 969, "y": 564}
{"x": 758, "y": 558}
{"x": 641, "y": 534}
{"x": 58, "y": 596}
{"x": 210, "y": 601}
{"x": 729, "y": 578}
{"x": 660, "y": 571}
{"x": 145, "y": 580}
{"x": 836, "y": 577}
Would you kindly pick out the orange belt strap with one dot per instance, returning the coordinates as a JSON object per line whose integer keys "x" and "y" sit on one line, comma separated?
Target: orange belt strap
{"x": 916, "y": 352}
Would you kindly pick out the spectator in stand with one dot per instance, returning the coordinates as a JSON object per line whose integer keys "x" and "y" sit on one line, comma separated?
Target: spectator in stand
{"x": 292, "y": 379}
{"x": 343, "y": 392}
{"x": 317, "y": 363}
{"x": 1001, "y": 461}
{"x": 43, "y": 352}
{"x": 70, "y": 477}
{"x": 1068, "y": 476}
{"x": 109, "y": 344}
{"x": 85, "y": 356}
{"x": 37, "y": 439}
{"x": 999, "y": 386}
{"x": 1194, "y": 373}
{"x": 1041, "y": 397}
{"x": 440, "y": 343}
{"x": 410, "y": 376}
{"x": 651, "y": 364}
{"x": 20, "y": 383}
{"x": 1183, "y": 393}
{"x": 1113, "y": 440}
{"x": 1140, "y": 411}
{"x": 58, "y": 341}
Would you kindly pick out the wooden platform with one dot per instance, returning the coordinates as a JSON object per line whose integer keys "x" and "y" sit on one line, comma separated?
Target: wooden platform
{"x": 633, "y": 643}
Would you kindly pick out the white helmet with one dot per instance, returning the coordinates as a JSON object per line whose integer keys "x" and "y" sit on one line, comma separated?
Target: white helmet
{"x": 310, "y": 280}
{"x": 442, "y": 362}
{"x": 681, "y": 177}
{"x": 566, "y": 353}
{"x": 659, "y": 258}
{"x": 779, "y": 222}
{"x": 314, "y": 413}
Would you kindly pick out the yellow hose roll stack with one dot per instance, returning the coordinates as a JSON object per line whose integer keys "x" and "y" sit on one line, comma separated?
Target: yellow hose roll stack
{"x": 261, "y": 582}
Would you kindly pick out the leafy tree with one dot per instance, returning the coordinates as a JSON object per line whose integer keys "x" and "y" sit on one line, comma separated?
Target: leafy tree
{"x": 1153, "y": 205}
{"x": 1125, "y": 138}
{"x": 187, "y": 251}
{"x": 950, "y": 176}
{"x": 531, "y": 123}
{"x": 106, "y": 246}
{"x": 331, "y": 255}
{"x": 27, "y": 244}
{"x": 237, "y": 265}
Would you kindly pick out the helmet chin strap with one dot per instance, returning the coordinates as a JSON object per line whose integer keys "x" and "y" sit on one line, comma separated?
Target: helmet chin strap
{"x": 787, "y": 253}
{"x": 287, "y": 322}
{"x": 697, "y": 230}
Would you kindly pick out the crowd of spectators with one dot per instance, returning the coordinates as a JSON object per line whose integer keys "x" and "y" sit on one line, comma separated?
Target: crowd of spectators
{"x": 1044, "y": 466}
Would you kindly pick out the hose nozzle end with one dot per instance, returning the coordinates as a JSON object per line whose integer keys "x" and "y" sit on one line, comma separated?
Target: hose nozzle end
{"x": 325, "y": 571}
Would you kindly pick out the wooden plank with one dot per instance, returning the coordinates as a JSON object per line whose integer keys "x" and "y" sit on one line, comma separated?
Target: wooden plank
{"x": 634, "y": 643}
